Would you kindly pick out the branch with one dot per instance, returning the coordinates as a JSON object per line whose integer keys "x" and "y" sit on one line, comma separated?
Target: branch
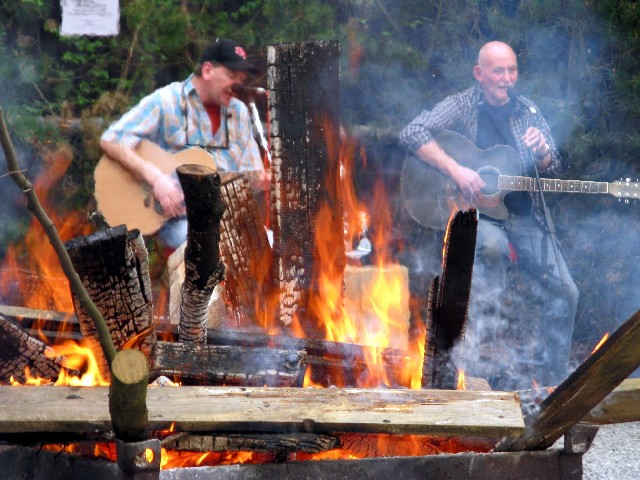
{"x": 33, "y": 204}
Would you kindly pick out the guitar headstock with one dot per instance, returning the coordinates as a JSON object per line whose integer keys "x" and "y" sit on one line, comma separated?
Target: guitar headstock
{"x": 625, "y": 189}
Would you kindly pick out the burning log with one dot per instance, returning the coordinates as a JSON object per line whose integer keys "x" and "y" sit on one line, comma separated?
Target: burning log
{"x": 225, "y": 365}
{"x": 587, "y": 386}
{"x": 267, "y": 442}
{"x": 47, "y": 324}
{"x": 253, "y": 409}
{"x": 303, "y": 80}
{"x": 246, "y": 254}
{"x": 33, "y": 204}
{"x": 20, "y": 351}
{"x": 448, "y": 303}
{"x": 113, "y": 267}
{"x": 203, "y": 268}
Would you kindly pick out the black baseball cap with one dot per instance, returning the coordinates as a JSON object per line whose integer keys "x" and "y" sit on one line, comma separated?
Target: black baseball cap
{"x": 228, "y": 53}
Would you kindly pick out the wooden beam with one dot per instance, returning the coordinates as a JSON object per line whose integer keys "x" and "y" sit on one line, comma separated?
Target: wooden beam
{"x": 311, "y": 410}
{"x": 265, "y": 442}
{"x": 587, "y": 386}
{"x": 227, "y": 365}
{"x": 304, "y": 95}
{"x": 448, "y": 302}
{"x": 621, "y": 405}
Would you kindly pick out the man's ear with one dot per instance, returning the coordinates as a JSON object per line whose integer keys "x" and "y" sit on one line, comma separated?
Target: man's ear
{"x": 207, "y": 67}
{"x": 477, "y": 73}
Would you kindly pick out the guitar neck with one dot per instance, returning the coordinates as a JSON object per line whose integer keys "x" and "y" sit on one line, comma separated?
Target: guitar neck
{"x": 529, "y": 184}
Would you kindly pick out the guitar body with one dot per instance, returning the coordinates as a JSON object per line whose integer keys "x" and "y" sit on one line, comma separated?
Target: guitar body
{"x": 430, "y": 196}
{"x": 123, "y": 199}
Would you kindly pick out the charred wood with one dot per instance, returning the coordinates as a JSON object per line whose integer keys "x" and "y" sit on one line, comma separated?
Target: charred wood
{"x": 303, "y": 80}
{"x": 246, "y": 254}
{"x": 19, "y": 352}
{"x": 450, "y": 305}
{"x": 114, "y": 268}
{"x": 233, "y": 442}
{"x": 203, "y": 268}
{"x": 227, "y": 365}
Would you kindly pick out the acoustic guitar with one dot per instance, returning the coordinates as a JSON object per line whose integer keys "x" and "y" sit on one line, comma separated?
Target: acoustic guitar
{"x": 430, "y": 196}
{"x": 122, "y": 199}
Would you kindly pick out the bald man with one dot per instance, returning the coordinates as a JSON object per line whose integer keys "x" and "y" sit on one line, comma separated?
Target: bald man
{"x": 500, "y": 345}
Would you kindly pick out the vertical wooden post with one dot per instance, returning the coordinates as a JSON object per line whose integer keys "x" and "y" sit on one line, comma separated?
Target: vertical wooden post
{"x": 449, "y": 302}
{"x": 202, "y": 265}
{"x": 303, "y": 82}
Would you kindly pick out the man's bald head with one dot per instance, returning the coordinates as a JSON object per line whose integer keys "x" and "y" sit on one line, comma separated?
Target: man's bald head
{"x": 494, "y": 49}
{"x": 496, "y": 71}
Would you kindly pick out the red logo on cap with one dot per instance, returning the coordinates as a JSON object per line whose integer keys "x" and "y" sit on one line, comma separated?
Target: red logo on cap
{"x": 241, "y": 53}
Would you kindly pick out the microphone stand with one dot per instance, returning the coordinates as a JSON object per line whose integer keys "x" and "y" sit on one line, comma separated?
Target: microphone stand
{"x": 551, "y": 231}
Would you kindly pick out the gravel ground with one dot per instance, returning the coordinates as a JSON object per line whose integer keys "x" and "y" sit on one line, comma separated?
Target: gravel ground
{"x": 614, "y": 454}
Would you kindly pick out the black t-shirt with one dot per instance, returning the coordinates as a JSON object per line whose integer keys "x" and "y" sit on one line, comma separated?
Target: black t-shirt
{"x": 493, "y": 129}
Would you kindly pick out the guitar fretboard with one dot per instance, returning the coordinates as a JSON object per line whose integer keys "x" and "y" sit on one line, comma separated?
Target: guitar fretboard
{"x": 529, "y": 184}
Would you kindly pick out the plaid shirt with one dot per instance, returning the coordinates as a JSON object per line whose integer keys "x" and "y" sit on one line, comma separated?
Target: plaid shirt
{"x": 459, "y": 112}
{"x": 174, "y": 118}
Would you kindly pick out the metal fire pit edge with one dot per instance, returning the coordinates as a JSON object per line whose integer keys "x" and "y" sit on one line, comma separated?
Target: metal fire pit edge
{"x": 555, "y": 463}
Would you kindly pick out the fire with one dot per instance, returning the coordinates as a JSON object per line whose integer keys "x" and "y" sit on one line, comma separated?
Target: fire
{"x": 600, "y": 343}
{"x": 374, "y": 311}
{"x": 461, "y": 383}
{"x": 76, "y": 358}
{"x": 43, "y": 288}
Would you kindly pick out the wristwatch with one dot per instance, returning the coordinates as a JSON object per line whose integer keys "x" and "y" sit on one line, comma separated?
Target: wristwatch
{"x": 547, "y": 150}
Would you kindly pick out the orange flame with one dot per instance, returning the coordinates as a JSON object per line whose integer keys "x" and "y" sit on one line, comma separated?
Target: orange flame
{"x": 600, "y": 343}
{"x": 43, "y": 288}
{"x": 461, "y": 385}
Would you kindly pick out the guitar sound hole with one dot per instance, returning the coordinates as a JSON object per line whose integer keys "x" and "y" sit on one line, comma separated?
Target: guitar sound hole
{"x": 489, "y": 176}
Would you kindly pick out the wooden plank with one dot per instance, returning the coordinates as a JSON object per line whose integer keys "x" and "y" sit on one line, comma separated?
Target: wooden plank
{"x": 399, "y": 411}
{"x": 585, "y": 388}
{"x": 621, "y": 405}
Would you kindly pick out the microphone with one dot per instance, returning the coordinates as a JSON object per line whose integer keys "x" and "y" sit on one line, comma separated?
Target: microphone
{"x": 240, "y": 90}
{"x": 514, "y": 95}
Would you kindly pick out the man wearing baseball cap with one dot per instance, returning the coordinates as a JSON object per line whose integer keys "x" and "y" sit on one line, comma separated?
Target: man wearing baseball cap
{"x": 199, "y": 111}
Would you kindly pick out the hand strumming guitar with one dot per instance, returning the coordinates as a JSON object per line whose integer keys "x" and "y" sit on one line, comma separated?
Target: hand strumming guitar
{"x": 169, "y": 195}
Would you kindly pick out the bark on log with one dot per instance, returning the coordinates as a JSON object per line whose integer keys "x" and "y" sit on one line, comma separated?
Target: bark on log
{"x": 128, "y": 396}
{"x": 247, "y": 255}
{"x": 587, "y": 386}
{"x": 303, "y": 80}
{"x": 203, "y": 268}
{"x": 226, "y": 365}
{"x": 450, "y": 305}
{"x": 114, "y": 268}
{"x": 20, "y": 351}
